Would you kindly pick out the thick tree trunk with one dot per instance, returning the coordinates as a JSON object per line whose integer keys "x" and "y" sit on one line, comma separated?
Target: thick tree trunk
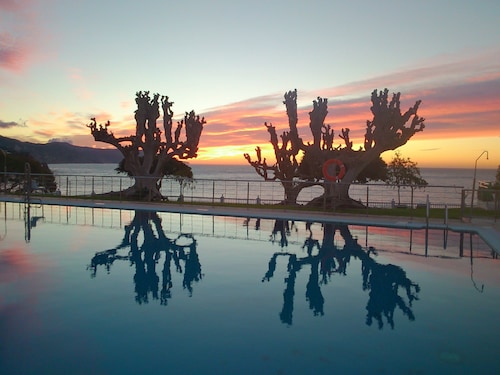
{"x": 336, "y": 195}
{"x": 144, "y": 188}
{"x": 292, "y": 191}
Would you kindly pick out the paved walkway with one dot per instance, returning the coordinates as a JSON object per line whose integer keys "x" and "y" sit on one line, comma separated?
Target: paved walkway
{"x": 487, "y": 229}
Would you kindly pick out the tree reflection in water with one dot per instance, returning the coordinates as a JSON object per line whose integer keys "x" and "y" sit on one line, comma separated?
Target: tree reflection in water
{"x": 323, "y": 257}
{"x": 180, "y": 250}
{"x": 383, "y": 281}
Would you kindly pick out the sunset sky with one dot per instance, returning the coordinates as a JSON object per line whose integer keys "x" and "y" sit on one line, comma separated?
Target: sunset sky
{"x": 63, "y": 62}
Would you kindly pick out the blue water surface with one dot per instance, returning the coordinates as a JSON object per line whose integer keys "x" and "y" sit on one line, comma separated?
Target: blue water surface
{"x": 96, "y": 291}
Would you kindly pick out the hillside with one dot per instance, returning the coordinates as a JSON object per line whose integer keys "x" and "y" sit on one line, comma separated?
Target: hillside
{"x": 61, "y": 152}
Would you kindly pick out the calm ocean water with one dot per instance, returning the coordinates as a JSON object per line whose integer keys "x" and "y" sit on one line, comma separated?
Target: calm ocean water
{"x": 240, "y": 184}
{"x": 434, "y": 176}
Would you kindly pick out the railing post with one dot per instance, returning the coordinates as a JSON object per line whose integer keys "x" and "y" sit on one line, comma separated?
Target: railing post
{"x": 324, "y": 195}
{"x": 497, "y": 205}
{"x": 27, "y": 183}
{"x": 427, "y": 208}
{"x": 248, "y": 193}
{"x": 462, "y": 205}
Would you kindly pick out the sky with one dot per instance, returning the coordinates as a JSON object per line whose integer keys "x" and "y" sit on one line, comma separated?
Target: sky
{"x": 63, "y": 62}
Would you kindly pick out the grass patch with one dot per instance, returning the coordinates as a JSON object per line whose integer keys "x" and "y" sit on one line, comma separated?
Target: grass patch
{"x": 434, "y": 213}
{"x": 419, "y": 212}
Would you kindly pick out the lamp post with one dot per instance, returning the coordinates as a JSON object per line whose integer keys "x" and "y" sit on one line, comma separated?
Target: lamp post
{"x": 474, "y": 180}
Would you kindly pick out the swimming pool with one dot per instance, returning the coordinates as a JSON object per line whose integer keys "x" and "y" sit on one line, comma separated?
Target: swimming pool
{"x": 85, "y": 290}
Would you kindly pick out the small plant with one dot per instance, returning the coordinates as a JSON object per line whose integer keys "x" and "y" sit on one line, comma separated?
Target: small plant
{"x": 402, "y": 172}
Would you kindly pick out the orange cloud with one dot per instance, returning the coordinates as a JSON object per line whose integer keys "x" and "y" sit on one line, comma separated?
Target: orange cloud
{"x": 467, "y": 109}
{"x": 470, "y": 108}
{"x": 459, "y": 101}
{"x": 462, "y": 110}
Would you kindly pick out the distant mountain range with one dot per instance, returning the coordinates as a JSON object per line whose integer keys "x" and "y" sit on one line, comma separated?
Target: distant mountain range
{"x": 61, "y": 152}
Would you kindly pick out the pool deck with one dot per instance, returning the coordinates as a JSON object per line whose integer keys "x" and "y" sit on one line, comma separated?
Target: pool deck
{"x": 487, "y": 229}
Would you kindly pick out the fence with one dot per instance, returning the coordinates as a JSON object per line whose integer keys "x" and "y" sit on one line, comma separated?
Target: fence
{"x": 255, "y": 192}
{"x": 484, "y": 198}
{"x": 210, "y": 191}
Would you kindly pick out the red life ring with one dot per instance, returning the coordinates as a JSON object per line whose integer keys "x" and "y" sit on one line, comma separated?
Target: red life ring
{"x": 340, "y": 166}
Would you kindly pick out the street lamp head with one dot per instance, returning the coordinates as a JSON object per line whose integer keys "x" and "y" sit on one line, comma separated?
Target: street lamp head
{"x": 482, "y": 153}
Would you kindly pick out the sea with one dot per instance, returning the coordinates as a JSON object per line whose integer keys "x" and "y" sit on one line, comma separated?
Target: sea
{"x": 456, "y": 177}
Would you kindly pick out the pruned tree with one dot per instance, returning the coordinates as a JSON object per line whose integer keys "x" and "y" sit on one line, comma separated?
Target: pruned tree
{"x": 285, "y": 169}
{"x": 146, "y": 153}
{"x": 388, "y": 130}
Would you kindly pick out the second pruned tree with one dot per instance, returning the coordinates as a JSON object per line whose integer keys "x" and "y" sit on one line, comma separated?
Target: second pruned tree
{"x": 300, "y": 164}
{"x": 146, "y": 153}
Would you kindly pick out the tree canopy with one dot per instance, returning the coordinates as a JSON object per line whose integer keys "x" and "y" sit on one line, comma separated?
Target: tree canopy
{"x": 40, "y": 173}
{"x": 388, "y": 129}
{"x": 147, "y": 152}
{"x": 172, "y": 167}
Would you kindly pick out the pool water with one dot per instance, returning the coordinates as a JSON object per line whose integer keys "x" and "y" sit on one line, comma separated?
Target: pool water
{"x": 96, "y": 291}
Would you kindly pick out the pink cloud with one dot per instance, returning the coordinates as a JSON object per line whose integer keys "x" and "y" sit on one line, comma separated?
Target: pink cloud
{"x": 19, "y": 34}
{"x": 453, "y": 107}
{"x": 466, "y": 108}
{"x": 458, "y": 100}
{"x": 14, "y": 5}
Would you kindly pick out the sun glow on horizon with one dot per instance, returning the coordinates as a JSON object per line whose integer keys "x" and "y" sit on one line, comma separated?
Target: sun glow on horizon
{"x": 231, "y": 154}
{"x": 461, "y": 120}
{"x": 450, "y": 153}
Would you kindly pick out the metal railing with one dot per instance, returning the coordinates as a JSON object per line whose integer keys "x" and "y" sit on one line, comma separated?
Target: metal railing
{"x": 480, "y": 200}
{"x": 235, "y": 191}
{"x": 372, "y": 195}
